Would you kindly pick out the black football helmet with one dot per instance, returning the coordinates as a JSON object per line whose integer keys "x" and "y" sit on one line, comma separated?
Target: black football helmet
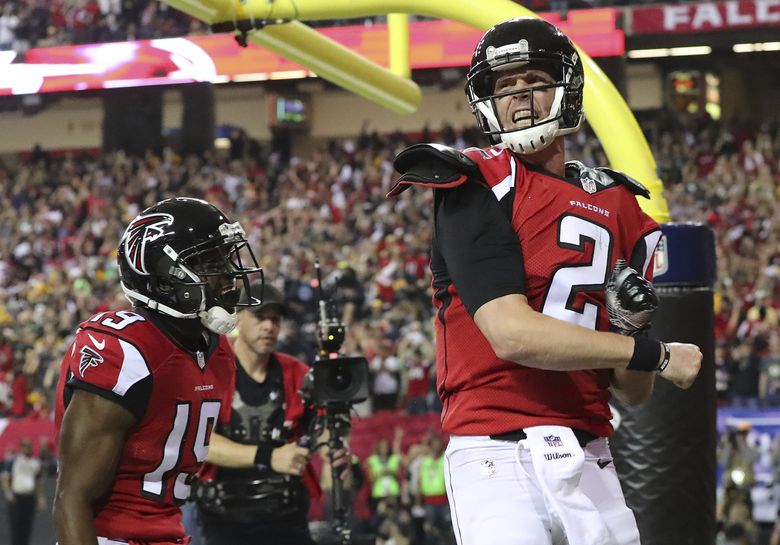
{"x": 182, "y": 257}
{"x": 518, "y": 42}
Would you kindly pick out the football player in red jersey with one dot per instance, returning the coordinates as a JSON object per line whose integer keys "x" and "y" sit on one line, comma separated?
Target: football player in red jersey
{"x": 141, "y": 391}
{"x": 535, "y": 261}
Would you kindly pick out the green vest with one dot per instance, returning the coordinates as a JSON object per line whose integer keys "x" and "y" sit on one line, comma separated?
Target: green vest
{"x": 432, "y": 476}
{"x": 386, "y": 485}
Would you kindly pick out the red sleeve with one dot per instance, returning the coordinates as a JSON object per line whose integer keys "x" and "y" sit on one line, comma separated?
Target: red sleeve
{"x": 112, "y": 367}
{"x": 293, "y": 371}
{"x": 227, "y": 402}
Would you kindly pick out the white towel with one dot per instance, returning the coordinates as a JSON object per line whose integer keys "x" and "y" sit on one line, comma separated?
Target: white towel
{"x": 558, "y": 460}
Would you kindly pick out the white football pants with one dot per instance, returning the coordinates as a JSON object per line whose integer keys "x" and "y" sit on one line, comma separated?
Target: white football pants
{"x": 495, "y": 501}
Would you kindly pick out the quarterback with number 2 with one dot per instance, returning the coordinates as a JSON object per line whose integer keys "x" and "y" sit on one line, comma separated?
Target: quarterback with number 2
{"x": 541, "y": 274}
{"x": 141, "y": 390}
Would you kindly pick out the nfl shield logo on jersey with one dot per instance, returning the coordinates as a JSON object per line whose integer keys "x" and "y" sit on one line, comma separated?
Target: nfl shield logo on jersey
{"x": 553, "y": 441}
{"x": 588, "y": 184}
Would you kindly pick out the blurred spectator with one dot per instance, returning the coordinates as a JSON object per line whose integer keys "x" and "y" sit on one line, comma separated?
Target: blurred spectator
{"x": 385, "y": 376}
{"x": 735, "y": 519}
{"x": 418, "y": 381}
{"x": 384, "y": 468}
{"x": 47, "y": 458}
{"x": 743, "y": 369}
{"x": 769, "y": 378}
{"x": 19, "y": 405}
{"x": 438, "y": 525}
{"x": 22, "y": 486}
{"x": 764, "y": 507}
{"x": 393, "y": 524}
{"x": 9, "y": 21}
{"x": 415, "y": 456}
{"x": 737, "y": 456}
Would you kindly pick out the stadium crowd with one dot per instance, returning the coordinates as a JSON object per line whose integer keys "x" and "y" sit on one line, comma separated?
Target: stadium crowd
{"x": 61, "y": 217}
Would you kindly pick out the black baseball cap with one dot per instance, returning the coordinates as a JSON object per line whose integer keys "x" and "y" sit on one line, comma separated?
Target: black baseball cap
{"x": 270, "y": 297}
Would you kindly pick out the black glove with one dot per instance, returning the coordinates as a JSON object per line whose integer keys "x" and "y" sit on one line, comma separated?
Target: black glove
{"x": 631, "y": 300}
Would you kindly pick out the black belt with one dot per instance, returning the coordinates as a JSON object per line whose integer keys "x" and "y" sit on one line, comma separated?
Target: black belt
{"x": 583, "y": 437}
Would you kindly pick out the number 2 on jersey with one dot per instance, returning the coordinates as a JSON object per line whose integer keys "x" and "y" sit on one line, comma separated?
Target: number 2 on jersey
{"x": 573, "y": 232}
{"x": 155, "y": 482}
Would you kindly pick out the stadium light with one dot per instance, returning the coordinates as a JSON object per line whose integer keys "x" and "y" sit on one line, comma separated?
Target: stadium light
{"x": 690, "y": 50}
{"x": 756, "y": 47}
{"x": 669, "y": 52}
{"x": 648, "y": 53}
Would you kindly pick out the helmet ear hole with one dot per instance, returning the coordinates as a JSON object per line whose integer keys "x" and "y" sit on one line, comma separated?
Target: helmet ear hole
{"x": 188, "y": 297}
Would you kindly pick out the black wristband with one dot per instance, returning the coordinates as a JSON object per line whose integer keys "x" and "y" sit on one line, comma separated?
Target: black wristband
{"x": 647, "y": 353}
{"x": 263, "y": 454}
{"x": 667, "y": 357}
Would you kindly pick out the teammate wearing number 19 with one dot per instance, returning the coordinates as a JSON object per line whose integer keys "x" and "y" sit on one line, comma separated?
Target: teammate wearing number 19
{"x": 141, "y": 391}
{"x": 535, "y": 261}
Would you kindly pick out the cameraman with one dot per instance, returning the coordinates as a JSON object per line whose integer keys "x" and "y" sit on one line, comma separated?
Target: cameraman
{"x": 257, "y": 490}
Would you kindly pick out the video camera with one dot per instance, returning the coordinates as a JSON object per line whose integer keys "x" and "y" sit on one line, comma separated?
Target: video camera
{"x": 330, "y": 390}
{"x": 340, "y": 381}
{"x": 336, "y": 380}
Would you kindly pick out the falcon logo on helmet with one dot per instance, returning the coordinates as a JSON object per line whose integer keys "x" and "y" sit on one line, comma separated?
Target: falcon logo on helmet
{"x": 141, "y": 230}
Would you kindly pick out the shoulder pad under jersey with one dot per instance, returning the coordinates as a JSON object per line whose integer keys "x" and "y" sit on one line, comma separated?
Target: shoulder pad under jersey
{"x": 432, "y": 165}
{"x": 606, "y": 177}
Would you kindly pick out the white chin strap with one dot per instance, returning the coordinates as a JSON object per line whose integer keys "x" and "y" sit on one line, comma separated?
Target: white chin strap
{"x": 215, "y": 319}
{"x": 218, "y": 320}
{"x": 532, "y": 139}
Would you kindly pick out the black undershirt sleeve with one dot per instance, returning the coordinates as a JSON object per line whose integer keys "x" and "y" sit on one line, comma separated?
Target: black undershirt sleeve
{"x": 135, "y": 400}
{"x": 480, "y": 248}
{"x": 638, "y": 256}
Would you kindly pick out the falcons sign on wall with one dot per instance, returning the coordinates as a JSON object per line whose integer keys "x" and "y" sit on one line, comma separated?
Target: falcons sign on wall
{"x": 706, "y": 16}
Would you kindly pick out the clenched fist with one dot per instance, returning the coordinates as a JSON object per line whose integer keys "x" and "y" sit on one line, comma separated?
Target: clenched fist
{"x": 684, "y": 364}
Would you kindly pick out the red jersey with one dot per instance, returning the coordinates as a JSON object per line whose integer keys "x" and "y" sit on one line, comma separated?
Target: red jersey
{"x": 570, "y": 234}
{"x": 177, "y": 396}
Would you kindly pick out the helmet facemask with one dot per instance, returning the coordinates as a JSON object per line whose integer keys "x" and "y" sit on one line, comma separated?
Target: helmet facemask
{"x": 220, "y": 268}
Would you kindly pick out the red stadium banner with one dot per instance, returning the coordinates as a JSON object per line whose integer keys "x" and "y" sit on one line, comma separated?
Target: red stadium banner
{"x": 704, "y": 17}
{"x": 218, "y": 59}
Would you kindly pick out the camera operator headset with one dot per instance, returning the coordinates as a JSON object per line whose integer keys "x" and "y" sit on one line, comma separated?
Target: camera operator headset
{"x": 257, "y": 483}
